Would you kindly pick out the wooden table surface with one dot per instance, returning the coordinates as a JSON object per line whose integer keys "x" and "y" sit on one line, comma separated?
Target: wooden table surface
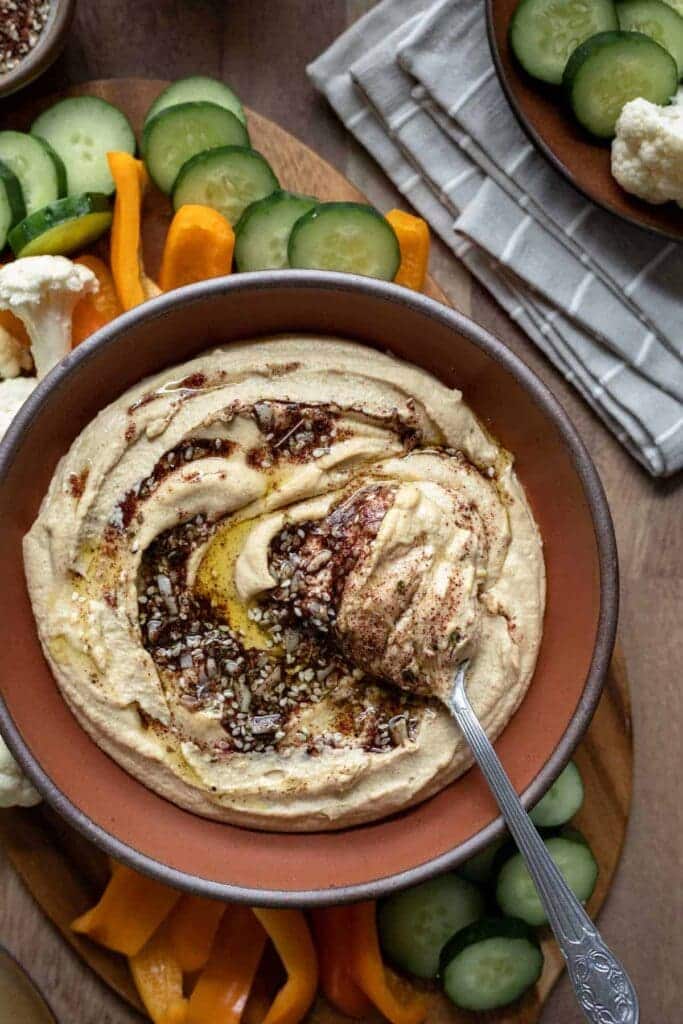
{"x": 262, "y": 47}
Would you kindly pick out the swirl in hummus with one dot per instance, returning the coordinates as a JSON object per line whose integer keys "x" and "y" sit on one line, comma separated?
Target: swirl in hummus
{"x": 252, "y": 573}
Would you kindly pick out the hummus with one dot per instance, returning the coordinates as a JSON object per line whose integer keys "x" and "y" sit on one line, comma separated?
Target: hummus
{"x": 252, "y": 573}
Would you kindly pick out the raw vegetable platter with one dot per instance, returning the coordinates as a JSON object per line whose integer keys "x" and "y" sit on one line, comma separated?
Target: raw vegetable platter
{"x": 67, "y": 875}
{"x": 544, "y": 113}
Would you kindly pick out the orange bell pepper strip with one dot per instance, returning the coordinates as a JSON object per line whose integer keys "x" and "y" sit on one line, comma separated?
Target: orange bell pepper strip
{"x": 413, "y": 239}
{"x": 129, "y": 912}
{"x": 369, "y": 973}
{"x": 223, "y": 987}
{"x": 332, "y": 928}
{"x": 291, "y": 937}
{"x": 95, "y": 309}
{"x": 159, "y": 980}
{"x": 192, "y": 927}
{"x": 130, "y": 178}
{"x": 199, "y": 245}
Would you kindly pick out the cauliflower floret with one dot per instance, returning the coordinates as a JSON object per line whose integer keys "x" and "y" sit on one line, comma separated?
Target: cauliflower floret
{"x": 647, "y": 152}
{"x": 14, "y": 357}
{"x": 42, "y": 291}
{"x": 13, "y": 394}
{"x": 15, "y": 789}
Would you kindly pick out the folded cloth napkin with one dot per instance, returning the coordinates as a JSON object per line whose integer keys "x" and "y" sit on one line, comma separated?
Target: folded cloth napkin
{"x": 415, "y": 83}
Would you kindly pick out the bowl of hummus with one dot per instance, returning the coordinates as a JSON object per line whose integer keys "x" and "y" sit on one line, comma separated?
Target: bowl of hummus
{"x": 251, "y": 530}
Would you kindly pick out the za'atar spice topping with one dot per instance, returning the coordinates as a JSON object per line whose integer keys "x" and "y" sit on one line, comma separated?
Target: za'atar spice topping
{"x": 21, "y": 23}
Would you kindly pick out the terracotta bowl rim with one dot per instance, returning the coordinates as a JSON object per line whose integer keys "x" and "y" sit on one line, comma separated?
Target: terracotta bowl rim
{"x": 596, "y": 500}
{"x": 49, "y": 46}
{"x": 539, "y": 142}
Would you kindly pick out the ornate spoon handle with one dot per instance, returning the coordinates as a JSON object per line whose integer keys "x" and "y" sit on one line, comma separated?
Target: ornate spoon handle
{"x": 603, "y": 988}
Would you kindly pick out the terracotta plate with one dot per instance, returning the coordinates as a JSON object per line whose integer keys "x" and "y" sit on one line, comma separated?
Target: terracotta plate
{"x": 141, "y": 828}
{"x": 552, "y": 129}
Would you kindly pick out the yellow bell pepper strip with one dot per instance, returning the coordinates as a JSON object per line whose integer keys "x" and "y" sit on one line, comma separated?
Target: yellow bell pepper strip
{"x": 413, "y": 239}
{"x": 223, "y": 987}
{"x": 369, "y": 973}
{"x": 192, "y": 927}
{"x": 159, "y": 980}
{"x": 130, "y": 178}
{"x": 291, "y": 937}
{"x": 332, "y": 929}
{"x": 199, "y": 245}
{"x": 95, "y": 309}
{"x": 129, "y": 912}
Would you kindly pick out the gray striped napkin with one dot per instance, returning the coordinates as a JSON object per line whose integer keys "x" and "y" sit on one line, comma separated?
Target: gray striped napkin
{"x": 415, "y": 84}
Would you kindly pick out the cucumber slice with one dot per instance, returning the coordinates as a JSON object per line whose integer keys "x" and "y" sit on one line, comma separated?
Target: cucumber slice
{"x": 181, "y": 132}
{"x": 479, "y": 869}
{"x": 82, "y": 130}
{"x": 12, "y": 207}
{"x": 349, "y": 237}
{"x": 491, "y": 964}
{"x": 197, "y": 89}
{"x": 544, "y": 33}
{"x": 263, "y": 231}
{"x": 609, "y": 70}
{"x": 41, "y": 173}
{"x": 516, "y": 893}
{"x": 63, "y": 227}
{"x": 677, "y": 5}
{"x": 229, "y": 179}
{"x": 562, "y": 801}
{"x": 656, "y": 20}
{"x": 415, "y": 924}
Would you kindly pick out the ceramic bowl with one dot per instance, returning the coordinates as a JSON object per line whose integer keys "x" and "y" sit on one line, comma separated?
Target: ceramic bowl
{"x": 550, "y": 126}
{"x": 49, "y": 46}
{"x": 142, "y": 829}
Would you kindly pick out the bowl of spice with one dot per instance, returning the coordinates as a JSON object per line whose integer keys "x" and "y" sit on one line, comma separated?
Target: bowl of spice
{"x": 32, "y": 35}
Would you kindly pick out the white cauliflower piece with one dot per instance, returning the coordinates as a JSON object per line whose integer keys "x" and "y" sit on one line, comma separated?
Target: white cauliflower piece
{"x": 647, "y": 152}
{"x": 15, "y": 789}
{"x": 14, "y": 357}
{"x": 42, "y": 291}
{"x": 13, "y": 394}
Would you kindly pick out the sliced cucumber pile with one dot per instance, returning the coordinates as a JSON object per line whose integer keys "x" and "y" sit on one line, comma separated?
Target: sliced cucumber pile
{"x": 656, "y": 20}
{"x": 414, "y": 925}
{"x": 82, "y": 130}
{"x": 12, "y": 207}
{"x": 62, "y": 227}
{"x": 40, "y": 171}
{"x": 180, "y": 132}
{"x": 562, "y": 801}
{"x": 544, "y": 33}
{"x": 348, "y": 237}
{"x": 490, "y": 964}
{"x": 228, "y": 178}
{"x": 516, "y": 893}
{"x": 609, "y": 70}
{"x": 263, "y": 230}
{"x": 197, "y": 89}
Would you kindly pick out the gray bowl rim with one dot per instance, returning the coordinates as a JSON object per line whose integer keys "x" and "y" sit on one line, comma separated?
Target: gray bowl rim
{"x": 607, "y": 556}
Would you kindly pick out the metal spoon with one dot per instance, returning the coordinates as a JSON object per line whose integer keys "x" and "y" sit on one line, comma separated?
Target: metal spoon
{"x": 603, "y": 988}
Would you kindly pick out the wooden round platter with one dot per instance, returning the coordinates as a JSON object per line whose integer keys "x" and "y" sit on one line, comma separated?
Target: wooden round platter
{"x": 65, "y": 873}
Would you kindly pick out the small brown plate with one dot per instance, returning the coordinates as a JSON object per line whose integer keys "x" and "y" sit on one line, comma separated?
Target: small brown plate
{"x": 549, "y": 125}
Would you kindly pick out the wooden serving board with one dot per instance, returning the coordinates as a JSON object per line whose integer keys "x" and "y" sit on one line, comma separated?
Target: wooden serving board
{"x": 65, "y": 873}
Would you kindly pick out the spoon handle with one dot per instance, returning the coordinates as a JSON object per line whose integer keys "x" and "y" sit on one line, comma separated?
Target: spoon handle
{"x": 603, "y": 988}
